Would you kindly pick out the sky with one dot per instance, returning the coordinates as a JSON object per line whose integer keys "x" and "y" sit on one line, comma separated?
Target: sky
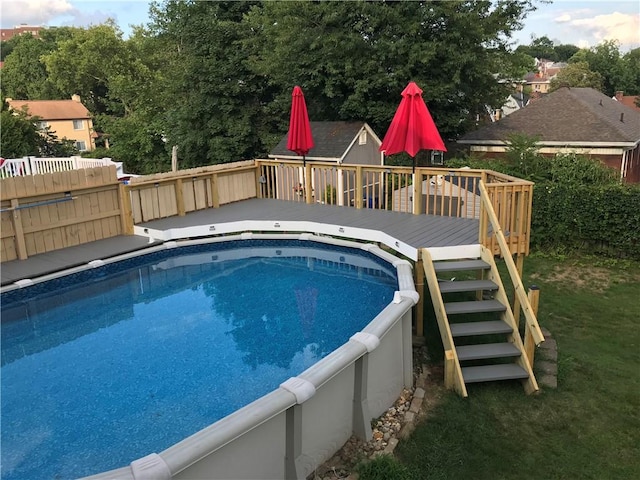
{"x": 584, "y": 23}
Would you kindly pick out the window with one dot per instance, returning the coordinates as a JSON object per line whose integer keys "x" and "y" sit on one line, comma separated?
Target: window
{"x": 77, "y": 125}
{"x": 437, "y": 158}
{"x": 362, "y": 139}
{"x": 42, "y": 125}
{"x": 81, "y": 146}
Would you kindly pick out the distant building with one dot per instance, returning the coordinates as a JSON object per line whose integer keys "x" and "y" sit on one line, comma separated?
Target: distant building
{"x": 569, "y": 120}
{"x": 68, "y": 119}
{"x": 22, "y": 29}
{"x": 630, "y": 101}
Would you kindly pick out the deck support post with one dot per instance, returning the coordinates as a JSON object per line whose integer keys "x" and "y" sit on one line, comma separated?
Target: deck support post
{"x": 516, "y": 303}
{"x": 180, "y": 197}
{"x": 359, "y": 191}
{"x": 293, "y": 443}
{"x": 308, "y": 184}
{"x": 215, "y": 197}
{"x": 361, "y": 416}
{"x": 419, "y": 308}
{"x": 126, "y": 215}
{"x": 529, "y": 345}
{"x": 21, "y": 246}
{"x": 417, "y": 192}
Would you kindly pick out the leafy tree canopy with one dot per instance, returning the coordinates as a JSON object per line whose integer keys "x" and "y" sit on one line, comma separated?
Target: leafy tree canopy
{"x": 617, "y": 72}
{"x": 577, "y": 75}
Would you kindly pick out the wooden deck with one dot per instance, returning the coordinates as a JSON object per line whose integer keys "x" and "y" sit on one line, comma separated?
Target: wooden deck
{"x": 415, "y": 231}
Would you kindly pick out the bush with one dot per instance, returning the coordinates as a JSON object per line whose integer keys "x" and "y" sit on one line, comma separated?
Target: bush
{"x": 578, "y": 203}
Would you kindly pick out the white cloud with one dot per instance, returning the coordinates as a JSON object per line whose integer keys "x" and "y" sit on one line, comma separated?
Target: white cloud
{"x": 624, "y": 28}
{"x": 33, "y": 12}
{"x": 562, "y": 18}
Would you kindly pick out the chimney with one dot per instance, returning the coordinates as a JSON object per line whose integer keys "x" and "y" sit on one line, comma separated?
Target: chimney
{"x": 76, "y": 98}
{"x": 622, "y": 117}
{"x": 619, "y": 95}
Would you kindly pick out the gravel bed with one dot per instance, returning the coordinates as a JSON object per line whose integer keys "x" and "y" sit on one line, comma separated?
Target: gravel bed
{"x": 395, "y": 423}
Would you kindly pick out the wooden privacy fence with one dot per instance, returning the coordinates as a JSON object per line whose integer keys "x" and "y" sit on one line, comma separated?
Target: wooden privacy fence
{"x": 177, "y": 193}
{"x": 42, "y": 213}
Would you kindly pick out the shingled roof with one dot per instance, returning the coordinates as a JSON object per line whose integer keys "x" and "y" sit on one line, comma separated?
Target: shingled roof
{"x": 331, "y": 139}
{"x": 52, "y": 109}
{"x": 568, "y": 116}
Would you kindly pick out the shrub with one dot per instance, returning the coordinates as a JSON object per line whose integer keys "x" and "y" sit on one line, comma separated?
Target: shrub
{"x": 578, "y": 202}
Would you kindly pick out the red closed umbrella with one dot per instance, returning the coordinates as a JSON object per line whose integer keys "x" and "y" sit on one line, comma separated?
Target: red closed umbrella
{"x": 299, "y": 140}
{"x": 412, "y": 128}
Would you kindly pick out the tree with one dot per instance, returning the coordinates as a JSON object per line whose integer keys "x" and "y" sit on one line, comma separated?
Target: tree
{"x": 564, "y": 52}
{"x": 355, "y": 58}
{"x": 576, "y": 75}
{"x": 87, "y": 62}
{"x": 217, "y": 106}
{"x": 630, "y": 78}
{"x": 540, "y": 48}
{"x": 19, "y": 135}
{"x": 604, "y": 59}
{"x": 23, "y": 74}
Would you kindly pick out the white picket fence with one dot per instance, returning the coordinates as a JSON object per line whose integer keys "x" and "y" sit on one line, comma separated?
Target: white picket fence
{"x": 18, "y": 167}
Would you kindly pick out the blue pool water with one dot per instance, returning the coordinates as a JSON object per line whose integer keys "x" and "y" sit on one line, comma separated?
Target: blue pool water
{"x": 103, "y": 367}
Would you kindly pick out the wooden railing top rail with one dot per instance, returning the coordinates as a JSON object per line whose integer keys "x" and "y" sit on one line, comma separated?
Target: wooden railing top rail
{"x": 226, "y": 168}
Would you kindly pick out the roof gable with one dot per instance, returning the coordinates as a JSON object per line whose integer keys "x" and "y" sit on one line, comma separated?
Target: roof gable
{"x": 571, "y": 115}
{"x": 52, "y": 109}
{"x": 332, "y": 140}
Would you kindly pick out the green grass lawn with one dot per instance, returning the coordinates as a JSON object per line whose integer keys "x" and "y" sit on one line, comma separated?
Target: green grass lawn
{"x": 587, "y": 428}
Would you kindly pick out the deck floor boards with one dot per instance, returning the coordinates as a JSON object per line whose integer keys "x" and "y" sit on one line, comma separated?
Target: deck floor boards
{"x": 419, "y": 231}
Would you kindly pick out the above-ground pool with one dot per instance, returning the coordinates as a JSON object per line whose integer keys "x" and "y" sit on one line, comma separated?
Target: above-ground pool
{"x": 110, "y": 364}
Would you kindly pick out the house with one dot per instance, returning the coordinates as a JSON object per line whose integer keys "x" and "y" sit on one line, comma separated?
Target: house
{"x": 540, "y": 81}
{"x": 630, "y": 101}
{"x": 340, "y": 143}
{"x": 576, "y": 120}
{"x": 22, "y": 29}
{"x": 352, "y": 143}
{"x": 513, "y": 102}
{"x": 68, "y": 119}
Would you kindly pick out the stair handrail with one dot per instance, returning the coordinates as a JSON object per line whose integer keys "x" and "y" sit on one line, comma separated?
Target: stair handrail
{"x": 453, "y": 371}
{"x": 519, "y": 290}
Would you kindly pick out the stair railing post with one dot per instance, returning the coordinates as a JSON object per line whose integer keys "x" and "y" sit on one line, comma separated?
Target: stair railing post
{"x": 449, "y": 370}
{"x": 529, "y": 344}
{"x": 516, "y": 301}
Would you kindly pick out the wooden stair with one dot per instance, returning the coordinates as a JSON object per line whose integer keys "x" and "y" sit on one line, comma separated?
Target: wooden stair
{"x": 479, "y": 332}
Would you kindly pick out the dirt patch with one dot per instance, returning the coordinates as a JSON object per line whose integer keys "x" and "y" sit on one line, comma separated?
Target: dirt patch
{"x": 597, "y": 279}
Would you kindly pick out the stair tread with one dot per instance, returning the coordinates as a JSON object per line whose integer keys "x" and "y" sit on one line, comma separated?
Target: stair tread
{"x": 479, "y": 328}
{"x": 458, "y": 265}
{"x": 466, "y": 285}
{"x": 477, "y": 306}
{"x": 487, "y": 350}
{"x": 489, "y": 373}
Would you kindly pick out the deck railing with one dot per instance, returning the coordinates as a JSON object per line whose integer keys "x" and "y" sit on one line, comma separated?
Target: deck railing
{"x": 440, "y": 191}
{"x": 21, "y": 167}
